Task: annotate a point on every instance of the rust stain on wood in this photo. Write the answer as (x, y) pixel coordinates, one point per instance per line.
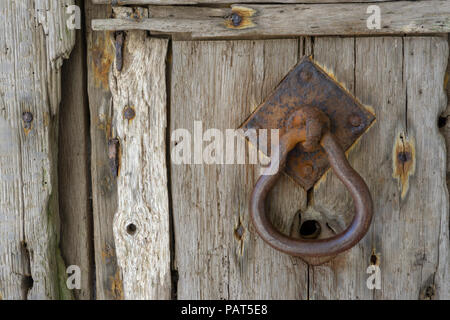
(446, 78)
(116, 286)
(404, 161)
(114, 156)
(239, 234)
(102, 58)
(104, 123)
(240, 18)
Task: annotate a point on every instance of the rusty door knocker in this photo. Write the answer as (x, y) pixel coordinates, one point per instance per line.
(318, 120)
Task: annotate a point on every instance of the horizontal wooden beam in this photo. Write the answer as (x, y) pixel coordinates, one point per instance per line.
(186, 2)
(400, 17)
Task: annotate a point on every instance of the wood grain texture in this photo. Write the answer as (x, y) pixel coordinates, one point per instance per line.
(444, 121)
(35, 40)
(74, 171)
(425, 62)
(218, 254)
(166, 2)
(141, 224)
(399, 17)
(401, 79)
(100, 57)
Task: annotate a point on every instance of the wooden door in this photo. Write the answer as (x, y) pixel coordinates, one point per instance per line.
(163, 230)
(219, 255)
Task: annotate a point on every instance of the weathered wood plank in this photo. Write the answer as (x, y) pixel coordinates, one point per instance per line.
(100, 57)
(444, 121)
(409, 236)
(166, 2)
(376, 81)
(400, 17)
(141, 224)
(218, 254)
(427, 251)
(73, 169)
(34, 41)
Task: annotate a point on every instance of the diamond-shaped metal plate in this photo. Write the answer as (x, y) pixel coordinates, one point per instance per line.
(309, 85)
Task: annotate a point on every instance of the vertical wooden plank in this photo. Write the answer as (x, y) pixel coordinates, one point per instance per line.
(141, 224)
(336, 279)
(73, 169)
(100, 57)
(444, 121)
(218, 254)
(408, 239)
(34, 41)
(425, 248)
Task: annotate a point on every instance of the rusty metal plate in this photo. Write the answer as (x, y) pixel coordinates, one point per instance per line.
(307, 84)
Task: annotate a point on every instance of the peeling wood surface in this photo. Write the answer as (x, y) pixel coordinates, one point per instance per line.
(141, 223)
(243, 20)
(34, 43)
(100, 58)
(218, 254)
(401, 80)
(74, 171)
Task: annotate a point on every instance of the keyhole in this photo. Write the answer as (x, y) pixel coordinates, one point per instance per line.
(310, 229)
(131, 229)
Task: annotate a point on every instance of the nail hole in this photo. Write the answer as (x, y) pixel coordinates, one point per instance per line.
(236, 19)
(239, 232)
(429, 293)
(374, 259)
(442, 121)
(27, 282)
(131, 229)
(129, 113)
(404, 156)
(27, 117)
(310, 229)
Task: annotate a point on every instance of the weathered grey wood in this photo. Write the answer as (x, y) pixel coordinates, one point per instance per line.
(400, 17)
(345, 276)
(162, 2)
(425, 61)
(444, 122)
(218, 254)
(401, 79)
(141, 224)
(73, 169)
(100, 57)
(35, 40)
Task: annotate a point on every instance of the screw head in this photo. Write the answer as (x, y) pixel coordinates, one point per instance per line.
(306, 75)
(355, 120)
(129, 113)
(307, 170)
(236, 19)
(27, 117)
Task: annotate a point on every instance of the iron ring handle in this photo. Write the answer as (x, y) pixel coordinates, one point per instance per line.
(309, 247)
